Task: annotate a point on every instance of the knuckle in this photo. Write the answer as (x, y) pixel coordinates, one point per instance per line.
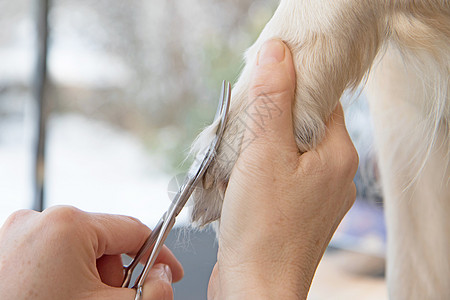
(264, 89)
(18, 217)
(135, 220)
(312, 164)
(139, 226)
(349, 198)
(271, 90)
(342, 165)
(270, 100)
(345, 160)
(351, 161)
(59, 216)
(271, 82)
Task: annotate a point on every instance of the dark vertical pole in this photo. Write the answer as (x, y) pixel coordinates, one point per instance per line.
(39, 87)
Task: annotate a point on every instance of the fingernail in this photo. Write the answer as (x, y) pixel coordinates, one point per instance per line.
(167, 273)
(271, 52)
(161, 272)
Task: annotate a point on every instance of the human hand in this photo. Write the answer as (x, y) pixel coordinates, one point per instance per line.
(64, 253)
(281, 207)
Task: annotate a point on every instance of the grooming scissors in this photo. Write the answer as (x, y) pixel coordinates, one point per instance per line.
(194, 176)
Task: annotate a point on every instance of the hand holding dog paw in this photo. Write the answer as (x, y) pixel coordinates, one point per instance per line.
(281, 207)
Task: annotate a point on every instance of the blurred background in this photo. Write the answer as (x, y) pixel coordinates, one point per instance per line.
(100, 100)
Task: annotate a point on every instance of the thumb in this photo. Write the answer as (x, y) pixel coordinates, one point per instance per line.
(271, 96)
(158, 285)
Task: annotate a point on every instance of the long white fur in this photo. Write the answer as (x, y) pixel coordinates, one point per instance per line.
(335, 44)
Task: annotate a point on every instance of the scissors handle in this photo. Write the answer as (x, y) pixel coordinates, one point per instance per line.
(149, 242)
(156, 239)
(162, 236)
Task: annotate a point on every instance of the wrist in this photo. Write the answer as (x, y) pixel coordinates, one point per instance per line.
(262, 281)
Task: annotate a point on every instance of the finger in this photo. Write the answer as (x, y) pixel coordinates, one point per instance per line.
(164, 257)
(158, 286)
(271, 96)
(110, 269)
(351, 197)
(116, 234)
(336, 132)
(337, 146)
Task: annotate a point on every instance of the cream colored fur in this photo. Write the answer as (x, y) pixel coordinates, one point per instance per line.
(334, 45)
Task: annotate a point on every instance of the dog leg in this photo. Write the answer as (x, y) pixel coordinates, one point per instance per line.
(333, 45)
(415, 173)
